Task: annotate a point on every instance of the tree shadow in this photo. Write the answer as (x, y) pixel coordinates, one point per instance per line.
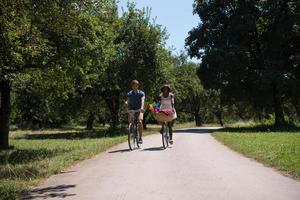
(197, 130)
(262, 128)
(58, 191)
(64, 135)
(75, 135)
(21, 156)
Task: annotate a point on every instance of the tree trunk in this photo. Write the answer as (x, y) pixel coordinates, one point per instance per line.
(90, 121)
(113, 103)
(101, 120)
(196, 108)
(240, 115)
(197, 119)
(4, 113)
(296, 105)
(219, 116)
(278, 110)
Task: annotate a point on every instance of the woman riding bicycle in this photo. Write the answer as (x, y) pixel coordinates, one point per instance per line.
(166, 100)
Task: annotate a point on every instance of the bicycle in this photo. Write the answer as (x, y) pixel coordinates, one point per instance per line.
(133, 134)
(165, 136)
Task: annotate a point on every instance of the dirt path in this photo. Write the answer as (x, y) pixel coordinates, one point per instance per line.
(197, 167)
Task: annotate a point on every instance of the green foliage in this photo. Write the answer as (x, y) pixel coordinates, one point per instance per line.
(57, 46)
(140, 55)
(189, 91)
(73, 62)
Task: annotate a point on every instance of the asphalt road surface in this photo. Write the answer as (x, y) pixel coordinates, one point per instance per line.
(196, 167)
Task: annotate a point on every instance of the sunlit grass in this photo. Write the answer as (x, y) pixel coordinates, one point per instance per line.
(274, 147)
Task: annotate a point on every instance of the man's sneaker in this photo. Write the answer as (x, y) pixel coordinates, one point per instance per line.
(171, 141)
(140, 141)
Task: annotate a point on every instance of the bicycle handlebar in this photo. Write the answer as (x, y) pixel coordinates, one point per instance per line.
(134, 111)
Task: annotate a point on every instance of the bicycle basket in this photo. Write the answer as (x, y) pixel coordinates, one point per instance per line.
(161, 117)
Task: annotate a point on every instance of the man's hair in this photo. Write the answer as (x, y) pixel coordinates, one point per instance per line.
(134, 82)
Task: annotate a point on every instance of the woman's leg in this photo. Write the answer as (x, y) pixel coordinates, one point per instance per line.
(170, 130)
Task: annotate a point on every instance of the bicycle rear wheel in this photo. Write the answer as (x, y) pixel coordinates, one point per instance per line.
(131, 136)
(165, 136)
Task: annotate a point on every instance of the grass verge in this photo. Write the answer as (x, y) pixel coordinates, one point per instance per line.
(276, 147)
(36, 155)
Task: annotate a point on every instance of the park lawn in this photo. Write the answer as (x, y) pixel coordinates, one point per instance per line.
(280, 150)
(36, 155)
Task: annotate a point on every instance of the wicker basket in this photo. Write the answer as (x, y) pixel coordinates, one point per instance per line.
(162, 117)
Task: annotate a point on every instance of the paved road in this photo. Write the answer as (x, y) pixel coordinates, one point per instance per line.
(197, 167)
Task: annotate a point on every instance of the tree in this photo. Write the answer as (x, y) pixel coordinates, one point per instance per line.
(248, 49)
(62, 35)
(139, 45)
(190, 94)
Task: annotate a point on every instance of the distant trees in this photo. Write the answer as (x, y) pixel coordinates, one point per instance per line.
(138, 56)
(250, 51)
(68, 61)
(72, 61)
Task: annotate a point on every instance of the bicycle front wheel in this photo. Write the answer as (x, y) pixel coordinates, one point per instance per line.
(131, 136)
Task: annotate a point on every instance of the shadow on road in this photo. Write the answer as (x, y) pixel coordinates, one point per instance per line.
(67, 172)
(154, 149)
(120, 151)
(197, 130)
(49, 192)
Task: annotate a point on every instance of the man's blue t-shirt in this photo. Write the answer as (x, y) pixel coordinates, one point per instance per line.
(135, 99)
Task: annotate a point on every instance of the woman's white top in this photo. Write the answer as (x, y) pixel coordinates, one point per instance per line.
(166, 102)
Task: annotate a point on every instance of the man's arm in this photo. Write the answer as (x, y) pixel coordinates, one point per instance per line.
(127, 103)
(142, 103)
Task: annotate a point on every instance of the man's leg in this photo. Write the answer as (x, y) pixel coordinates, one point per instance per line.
(129, 118)
(140, 126)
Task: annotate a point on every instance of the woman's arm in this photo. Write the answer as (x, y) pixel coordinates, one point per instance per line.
(159, 101)
(172, 101)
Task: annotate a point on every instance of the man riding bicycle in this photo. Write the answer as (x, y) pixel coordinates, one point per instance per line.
(135, 101)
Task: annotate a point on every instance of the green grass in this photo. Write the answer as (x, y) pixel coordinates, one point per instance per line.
(36, 155)
(277, 147)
